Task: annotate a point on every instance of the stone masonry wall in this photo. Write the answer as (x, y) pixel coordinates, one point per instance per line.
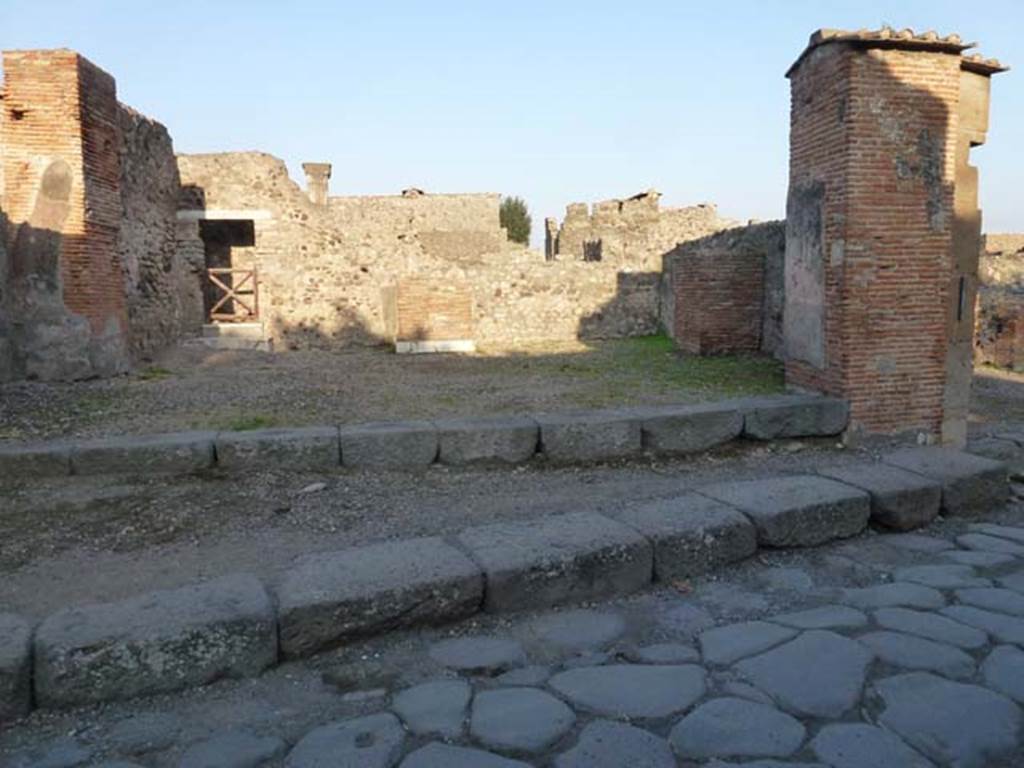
(329, 274)
(163, 282)
(999, 319)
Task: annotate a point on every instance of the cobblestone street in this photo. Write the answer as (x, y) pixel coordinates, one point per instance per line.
(884, 650)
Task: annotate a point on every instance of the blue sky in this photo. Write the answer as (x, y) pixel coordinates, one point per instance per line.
(553, 101)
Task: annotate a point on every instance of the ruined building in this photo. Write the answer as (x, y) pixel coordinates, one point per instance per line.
(111, 247)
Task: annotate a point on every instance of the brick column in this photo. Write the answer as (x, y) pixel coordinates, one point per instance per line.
(879, 282)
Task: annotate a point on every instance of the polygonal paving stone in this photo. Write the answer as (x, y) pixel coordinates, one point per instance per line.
(855, 745)
(437, 755)
(479, 655)
(62, 752)
(1003, 671)
(233, 749)
(519, 719)
(686, 618)
(364, 742)
(912, 652)
(1000, 600)
(825, 617)
(949, 722)
(664, 653)
(145, 732)
(895, 594)
(930, 626)
(435, 708)
(941, 576)
(978, 559)
(765, 764)
(607, 744)
(1010, 532)
(916, 542)
(819, 673)
(724, 645)
(736, 728)
(1006, 629)
(1014, 581)
(632, 690)
(786, 579)
(579, 630)
(525, 676)
(984, 543)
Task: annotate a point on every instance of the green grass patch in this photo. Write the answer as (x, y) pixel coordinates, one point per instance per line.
(154, 373)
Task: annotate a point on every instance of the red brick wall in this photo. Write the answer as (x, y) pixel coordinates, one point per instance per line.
(877, 128)
(430, 310)
(59, 106)
(719, 298)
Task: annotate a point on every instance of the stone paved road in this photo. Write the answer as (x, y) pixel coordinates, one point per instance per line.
(885, 650)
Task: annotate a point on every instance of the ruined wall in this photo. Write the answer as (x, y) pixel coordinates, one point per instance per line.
(61, 168)
(163, 283)
(725, 292)
(999, 320)
(329, 273)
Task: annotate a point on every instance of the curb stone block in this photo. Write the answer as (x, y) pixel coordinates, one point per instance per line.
(899, 499)
(797, 511)
(304, 448)
(691, 534)
(769, 418)
(589, 435)
(970, 484)
(15, 667)
(19, 462)
(328, 598)
(688, 428)
(155, 643)
(559, 559)
(511, 440)
(175, 452)
(389, 444)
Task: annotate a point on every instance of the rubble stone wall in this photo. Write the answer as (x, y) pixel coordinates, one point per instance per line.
(999, 318)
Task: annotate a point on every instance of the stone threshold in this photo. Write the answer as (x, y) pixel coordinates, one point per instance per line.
(237, 626)
(564, 437)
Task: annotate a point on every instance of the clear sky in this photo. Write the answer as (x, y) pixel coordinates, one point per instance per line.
(553, 101)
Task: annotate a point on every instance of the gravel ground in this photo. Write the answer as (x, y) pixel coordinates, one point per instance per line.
(997, 395)
(196, 388)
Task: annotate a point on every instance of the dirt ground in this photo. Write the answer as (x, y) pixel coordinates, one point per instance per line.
(198, 388)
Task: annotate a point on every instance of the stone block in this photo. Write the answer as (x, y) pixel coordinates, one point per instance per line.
(797, 511)
(500, 440)
(26, 462)
(303, 449)
(970, 484)
(389, 445)
(589, 435)
(15, 667)
(770, 418)
(155, 643)
(899, 499)
(559, 559)
(328, 598)
(688, 428)
(176, 452)
(691, 534)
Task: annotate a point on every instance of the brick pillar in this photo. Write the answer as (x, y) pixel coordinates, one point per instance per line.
(880, 218)
(317, 177)
(61, 175)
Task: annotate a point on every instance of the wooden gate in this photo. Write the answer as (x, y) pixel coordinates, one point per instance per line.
(235, 294)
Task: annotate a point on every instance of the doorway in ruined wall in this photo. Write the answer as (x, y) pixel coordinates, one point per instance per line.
(231, 287)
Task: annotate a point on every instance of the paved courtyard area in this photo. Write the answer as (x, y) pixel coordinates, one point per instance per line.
(883, 650)
(198, 388)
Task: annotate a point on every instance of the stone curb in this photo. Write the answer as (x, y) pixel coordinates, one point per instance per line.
(173, 639)
(570, 437)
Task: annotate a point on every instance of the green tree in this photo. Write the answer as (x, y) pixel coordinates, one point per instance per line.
(515, 218)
